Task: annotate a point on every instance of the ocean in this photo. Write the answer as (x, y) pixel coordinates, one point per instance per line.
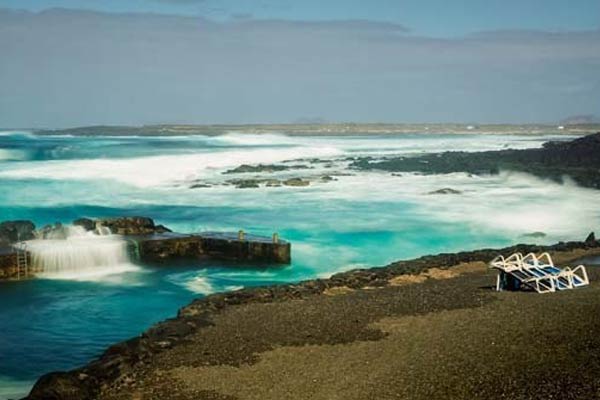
(344, 219)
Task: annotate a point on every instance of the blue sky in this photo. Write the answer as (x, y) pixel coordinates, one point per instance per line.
(266, 61)
(440, 18)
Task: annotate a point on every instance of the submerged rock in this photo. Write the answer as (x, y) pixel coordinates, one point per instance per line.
(272, 183)
(15, 231)
(256, 183)
(536, 235)
(246, 183)
(296, 182)
(199, 186)
(268, 168)
(445, 191)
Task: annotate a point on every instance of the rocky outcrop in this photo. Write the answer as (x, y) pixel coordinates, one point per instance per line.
(131, 225)
(264, 168)
(62, 386)
(445, 191)
(591, 238)
(293, 182)
(8, 264)
(579, 159)
(298, 182)
(15, 231)
(535, 235)
(85, 223)
(117, 362)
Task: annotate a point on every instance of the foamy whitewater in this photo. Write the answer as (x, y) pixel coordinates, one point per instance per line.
(89, 295)
(80, 255)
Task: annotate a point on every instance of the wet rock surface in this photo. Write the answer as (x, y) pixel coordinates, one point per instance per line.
(131, 225)
(265, 318)
(445, 191)
(253, 183)
(579, 159)
(85, 223)
(264, 168)
(296, 182)
(15, 231)
(535, 235)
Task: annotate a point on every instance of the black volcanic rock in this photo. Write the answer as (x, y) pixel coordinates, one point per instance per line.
(296, 182)
(535, 235)
(14, 231)
(268, 168)
(85, 223)
(131, 225)
(579, 159)
(445, 191)
(62, 386)
(591, 238)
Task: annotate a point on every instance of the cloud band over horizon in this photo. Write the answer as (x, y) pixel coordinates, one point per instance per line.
(67, 68)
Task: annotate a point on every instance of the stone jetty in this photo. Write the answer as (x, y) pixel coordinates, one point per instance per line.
(147, 243)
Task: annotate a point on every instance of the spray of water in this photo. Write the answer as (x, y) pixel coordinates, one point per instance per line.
(80, 256)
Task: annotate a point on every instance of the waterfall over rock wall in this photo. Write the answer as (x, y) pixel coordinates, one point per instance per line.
(79, 255)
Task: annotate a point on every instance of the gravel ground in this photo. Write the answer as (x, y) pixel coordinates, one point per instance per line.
(441, 337)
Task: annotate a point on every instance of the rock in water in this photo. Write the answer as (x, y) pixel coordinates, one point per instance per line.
(446, 191)
(14, 231)
(162, 229)
(591, 238)
(128, 225)
(85, 223)
(60, 385)
(536, 235)
(56, 232)
(296, 182)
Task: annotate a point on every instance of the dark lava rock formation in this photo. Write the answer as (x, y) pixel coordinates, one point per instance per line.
(15, 231)
(579, 159)
(446, 191)
(131, 225)
(266, 168)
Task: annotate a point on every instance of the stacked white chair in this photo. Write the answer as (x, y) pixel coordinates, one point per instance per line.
(538, 273)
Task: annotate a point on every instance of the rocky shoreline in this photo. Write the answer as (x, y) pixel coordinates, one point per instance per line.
(115, 369)
(578, 159)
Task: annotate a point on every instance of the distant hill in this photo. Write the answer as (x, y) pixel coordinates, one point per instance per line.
(347, 128)
(585, 119)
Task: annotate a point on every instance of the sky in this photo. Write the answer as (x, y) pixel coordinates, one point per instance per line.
(86, 62)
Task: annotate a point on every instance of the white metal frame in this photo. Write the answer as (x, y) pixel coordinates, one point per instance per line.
(539, 272)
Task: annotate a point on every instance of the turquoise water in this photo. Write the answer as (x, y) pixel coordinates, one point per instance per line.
(359, 220)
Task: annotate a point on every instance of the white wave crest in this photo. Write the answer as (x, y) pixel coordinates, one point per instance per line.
(159, 170)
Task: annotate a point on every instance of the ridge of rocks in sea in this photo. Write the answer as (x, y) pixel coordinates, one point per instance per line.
(264, 168)
(253, 183)
(445, 191)
(579, 159)
(117, 363)
(535, 235)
